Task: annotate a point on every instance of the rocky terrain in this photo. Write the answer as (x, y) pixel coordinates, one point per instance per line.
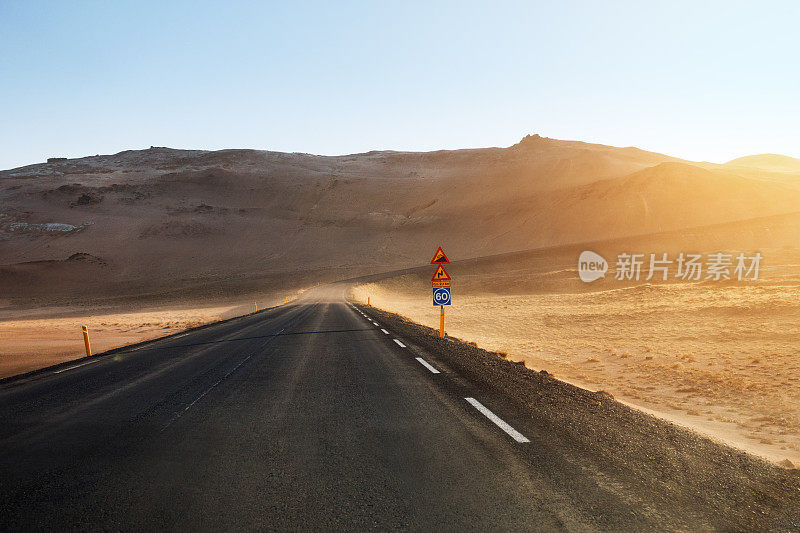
(164, 224)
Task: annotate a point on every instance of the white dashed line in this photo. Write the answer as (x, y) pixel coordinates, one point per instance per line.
(516, 435)
(427, 365)
(400, 344)
(220, 380)
(383, 330)
(73, 367)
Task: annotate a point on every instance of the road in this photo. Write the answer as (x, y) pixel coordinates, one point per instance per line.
(314, 416)
(303, 416)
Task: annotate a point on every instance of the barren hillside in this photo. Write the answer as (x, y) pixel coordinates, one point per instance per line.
(165, 224)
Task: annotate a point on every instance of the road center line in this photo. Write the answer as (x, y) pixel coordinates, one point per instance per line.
(427, 365)
(400, 344)
(383, 330)
(73, 367)
(516, 435)
(220, 380)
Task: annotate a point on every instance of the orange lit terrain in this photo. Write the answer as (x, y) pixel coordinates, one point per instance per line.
(157, 230)
(722, 357)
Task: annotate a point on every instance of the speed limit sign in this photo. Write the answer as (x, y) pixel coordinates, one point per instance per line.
(441, 296)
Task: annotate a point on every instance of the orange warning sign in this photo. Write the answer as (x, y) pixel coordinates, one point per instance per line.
(439, 257)
(440, 274)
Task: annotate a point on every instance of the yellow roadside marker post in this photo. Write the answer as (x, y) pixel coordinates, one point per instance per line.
(255, 307)
(440, 282)
(86, 340)
(367, 301)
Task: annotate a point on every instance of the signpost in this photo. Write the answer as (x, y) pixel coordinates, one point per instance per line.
(440, 284)
(440, 274)
(439, 257)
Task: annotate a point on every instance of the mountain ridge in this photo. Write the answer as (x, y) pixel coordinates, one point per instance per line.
(163, 215)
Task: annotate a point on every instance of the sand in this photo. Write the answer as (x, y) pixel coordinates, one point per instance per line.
(35, 343)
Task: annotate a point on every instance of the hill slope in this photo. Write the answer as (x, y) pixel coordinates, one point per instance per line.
(773, 162)
(185, 223)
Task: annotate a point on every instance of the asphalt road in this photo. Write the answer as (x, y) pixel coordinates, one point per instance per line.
(304, 416)
(308, 416)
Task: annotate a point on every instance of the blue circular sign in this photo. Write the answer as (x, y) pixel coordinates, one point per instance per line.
(441, 296)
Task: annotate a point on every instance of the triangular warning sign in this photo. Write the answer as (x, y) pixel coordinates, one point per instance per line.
(440, 275)
(439, 257)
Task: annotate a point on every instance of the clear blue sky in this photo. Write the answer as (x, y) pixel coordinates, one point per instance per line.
(700, 80)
